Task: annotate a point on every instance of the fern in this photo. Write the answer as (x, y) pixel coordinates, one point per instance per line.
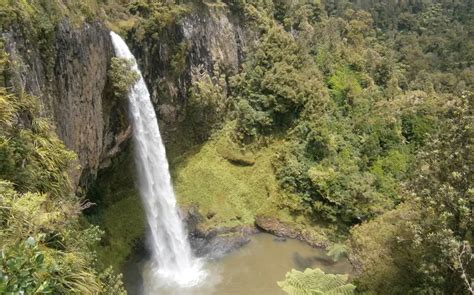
(336, 251)
(315, 282)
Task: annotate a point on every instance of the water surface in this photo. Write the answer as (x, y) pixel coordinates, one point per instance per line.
(256, 267)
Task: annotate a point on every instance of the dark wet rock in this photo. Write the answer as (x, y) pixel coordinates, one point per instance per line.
(303, 262)
(71, 81)
(218, 246)
(192, 217)
(215, 242)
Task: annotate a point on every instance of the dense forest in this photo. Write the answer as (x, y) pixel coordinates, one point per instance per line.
(345, 124)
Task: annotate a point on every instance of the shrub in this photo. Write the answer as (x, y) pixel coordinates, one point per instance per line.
(122, 76)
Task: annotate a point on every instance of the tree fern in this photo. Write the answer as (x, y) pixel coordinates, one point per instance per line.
(315, 282)
(336, 251)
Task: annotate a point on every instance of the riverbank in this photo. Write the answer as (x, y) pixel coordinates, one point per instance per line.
(216, 241)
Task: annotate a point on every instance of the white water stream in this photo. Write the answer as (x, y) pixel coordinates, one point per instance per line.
(172, 261)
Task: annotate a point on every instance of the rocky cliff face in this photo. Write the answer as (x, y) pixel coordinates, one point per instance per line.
(71, 81)
(70, 78)
(209, 39)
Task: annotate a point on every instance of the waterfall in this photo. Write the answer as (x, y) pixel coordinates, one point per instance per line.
(171, 258)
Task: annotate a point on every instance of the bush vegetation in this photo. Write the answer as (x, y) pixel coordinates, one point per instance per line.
(424, 245)
(348, 119)
(121, 76)
(364, 116)
(45, 246)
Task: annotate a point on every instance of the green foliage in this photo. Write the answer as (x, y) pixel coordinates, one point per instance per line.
(58, 254)
(208, 102)
(118, 212)
(121, 76)
(321, 127)
(298, 14)
(51, 11)
(345, 169)
(336, 251)
(125, 226)
(344, 86)
(233, 198)
(178, 61)
(333, 91)
(425, 245)
(155, 16)
(243, 186)
(234, 154)
(23, 269)
(37, 21)
(277, 81)
(7, 110)
(44, 246)
(376, 247)
(444, 196)
(414, 29)
(346, 98)
(315, 281)
(416, 127)
(33, 158)
(3, 70)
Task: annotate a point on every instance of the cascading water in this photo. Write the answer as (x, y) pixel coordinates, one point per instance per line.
(172, 261)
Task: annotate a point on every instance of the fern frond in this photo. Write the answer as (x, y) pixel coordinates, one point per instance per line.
(336, 251)
(315, 282)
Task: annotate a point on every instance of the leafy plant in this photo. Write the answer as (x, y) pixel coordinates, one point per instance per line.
(315, 282)
(23, 269)
(122, 76)
(337, 251)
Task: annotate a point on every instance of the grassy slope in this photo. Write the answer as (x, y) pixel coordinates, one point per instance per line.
(229, 194)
